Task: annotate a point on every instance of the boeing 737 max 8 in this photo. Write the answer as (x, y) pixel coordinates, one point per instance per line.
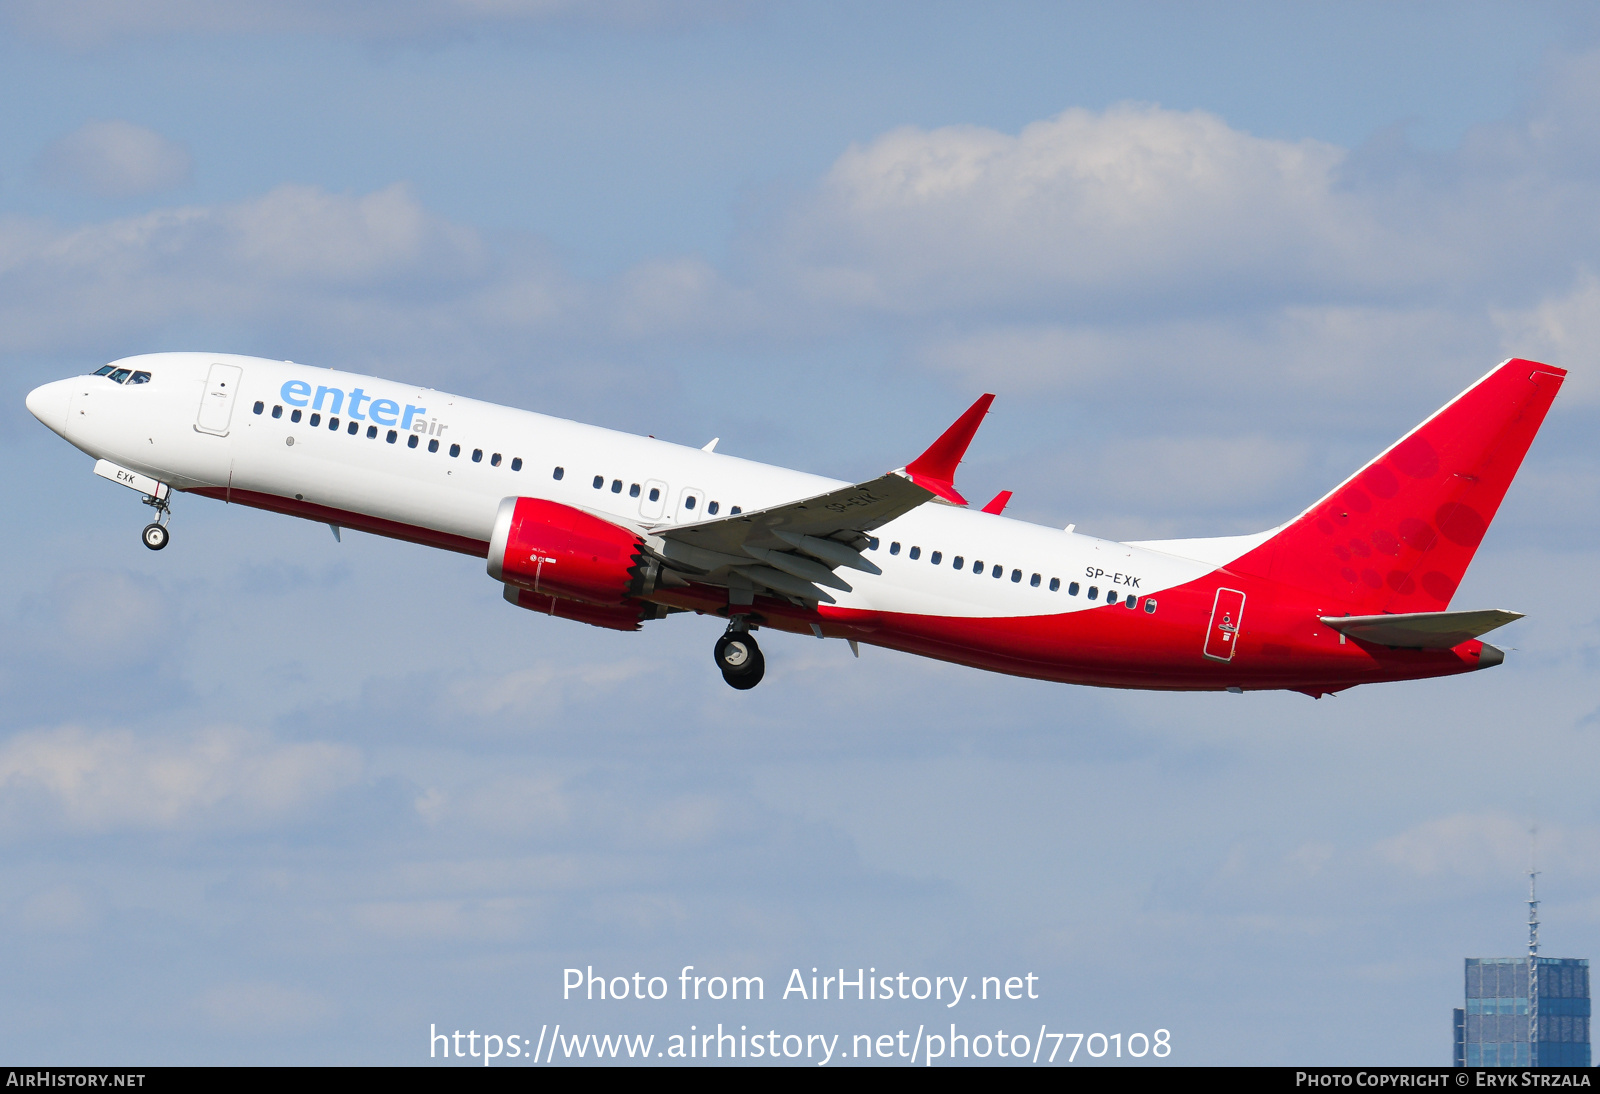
(616, 530)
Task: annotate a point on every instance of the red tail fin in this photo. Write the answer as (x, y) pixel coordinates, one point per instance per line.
(1398, 534)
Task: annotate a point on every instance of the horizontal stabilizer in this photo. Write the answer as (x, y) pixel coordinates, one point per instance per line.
(1421, 630)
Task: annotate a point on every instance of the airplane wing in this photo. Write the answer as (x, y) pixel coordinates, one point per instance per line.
(794, 548)
(1421, 630)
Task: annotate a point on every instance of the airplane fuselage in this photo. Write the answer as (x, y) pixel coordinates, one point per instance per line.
(973, 588)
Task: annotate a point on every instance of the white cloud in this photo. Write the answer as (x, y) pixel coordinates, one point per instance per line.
(1196, 472)
(1490, 845)
(1133, 202)
(346, 264)
(264, 1007)
(497, 918)
(1340, 354)
(115, 159)
(119, 615)
(1561, 330)
(541, 691)
(99, 781)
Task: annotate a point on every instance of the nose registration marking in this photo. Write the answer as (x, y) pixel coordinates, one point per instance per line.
(132, 479)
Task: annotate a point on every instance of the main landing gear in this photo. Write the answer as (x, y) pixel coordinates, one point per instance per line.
(155, 534)
(739, 658)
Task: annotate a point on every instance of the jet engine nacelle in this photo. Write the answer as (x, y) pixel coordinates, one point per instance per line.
(553, 549)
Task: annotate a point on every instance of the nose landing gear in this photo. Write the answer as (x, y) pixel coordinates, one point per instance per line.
(740, 659)
(155, 534)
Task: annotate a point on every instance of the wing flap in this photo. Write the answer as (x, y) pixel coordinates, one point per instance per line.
(1421, 630)
(858, 508)
(796, 546)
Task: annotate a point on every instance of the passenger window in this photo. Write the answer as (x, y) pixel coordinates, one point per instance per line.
(1016, 576)
(1072, 590)
(894, 548)
(998, 570)
(633, 491)
(977, 566)
(735, 511)
(433, 445)
(411, 441)
(494, 460)
(140, 378)
(1131, 603)
(1111, 596)
(916, 553)
(391, 436)
(516, 463)
(104, 370)
(277, 411)
(655, 494)
(936, 558)
(316, 419)
(372, 434)
(958, 563)
(1034, 580)
(1149, 605)
(355, 427)
(1055, 585)
(120, 375)
(294, 415)
(872, 543)
(333, 425)
(1093, 593)
(455, 450)
(260, 407)
(560, 472)
(599, 481)
(711, 509)
(688, 502)
(477, 453)
(616, 486)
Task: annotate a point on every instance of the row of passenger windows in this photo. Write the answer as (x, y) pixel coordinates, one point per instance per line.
(690, 501)
(391, 436)
(413, 439)
(959, 562)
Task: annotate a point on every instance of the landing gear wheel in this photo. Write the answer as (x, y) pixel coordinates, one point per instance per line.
(740, 660)
(155, 536)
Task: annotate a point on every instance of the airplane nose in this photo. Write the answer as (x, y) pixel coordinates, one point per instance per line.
(49, 403)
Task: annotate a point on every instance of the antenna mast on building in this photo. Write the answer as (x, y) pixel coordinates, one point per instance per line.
(1533, 950)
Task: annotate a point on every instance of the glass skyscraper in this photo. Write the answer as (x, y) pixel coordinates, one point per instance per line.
(1497, 1029)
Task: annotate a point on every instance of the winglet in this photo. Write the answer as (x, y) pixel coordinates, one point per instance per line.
(999, 503)
(935, 469)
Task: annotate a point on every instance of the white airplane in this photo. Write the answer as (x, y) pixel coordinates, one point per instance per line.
(614, 530)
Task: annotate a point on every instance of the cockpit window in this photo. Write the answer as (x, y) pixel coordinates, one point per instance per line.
(104, 370)
(140, 378)
(120, 375)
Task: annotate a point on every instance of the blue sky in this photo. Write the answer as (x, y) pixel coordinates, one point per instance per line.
(265, 797)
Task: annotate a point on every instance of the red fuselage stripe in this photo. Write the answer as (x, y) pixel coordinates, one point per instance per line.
(1281, 641)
